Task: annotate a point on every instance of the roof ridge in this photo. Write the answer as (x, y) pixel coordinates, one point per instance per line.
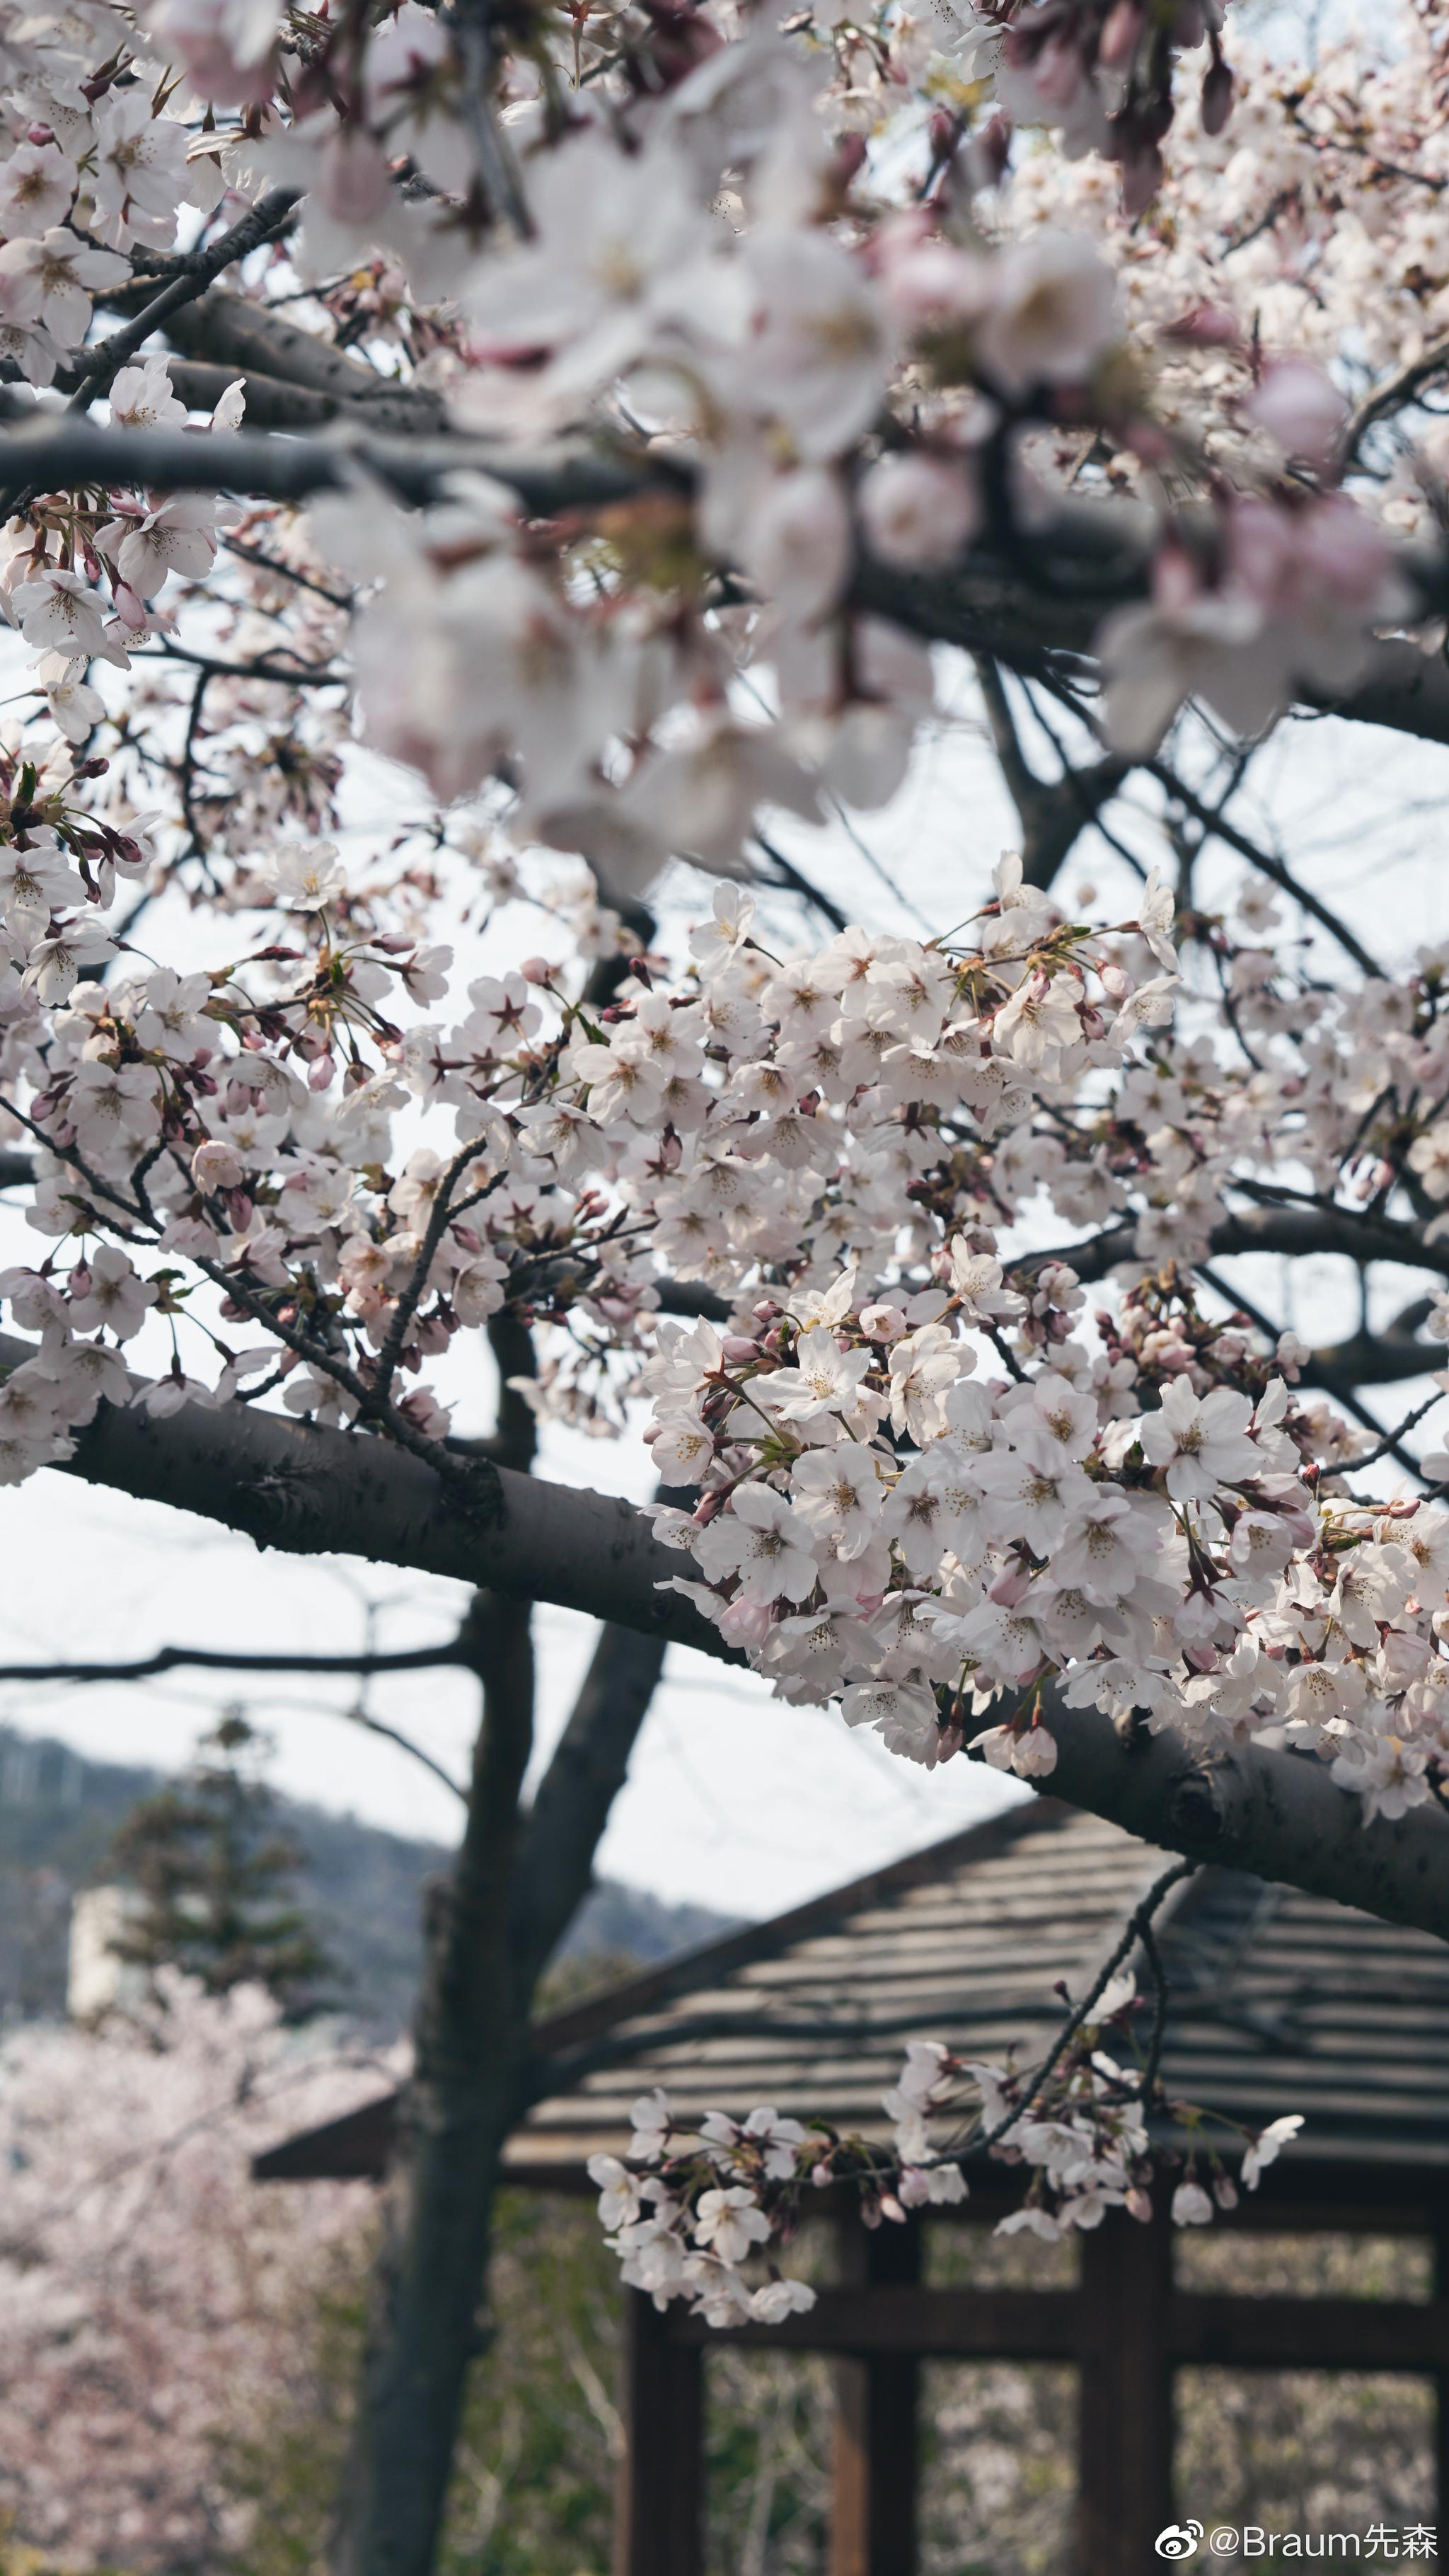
(737, 1949)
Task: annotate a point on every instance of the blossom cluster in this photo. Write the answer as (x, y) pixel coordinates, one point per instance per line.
(152, 2295)
(699, 2212)
(931, 1477)
(930, 1481)
(830, 372)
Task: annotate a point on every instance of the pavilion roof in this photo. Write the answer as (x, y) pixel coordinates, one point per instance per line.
(1279, 2001)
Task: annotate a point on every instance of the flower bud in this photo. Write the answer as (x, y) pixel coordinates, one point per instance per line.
(1121, 35)
(1217, 97)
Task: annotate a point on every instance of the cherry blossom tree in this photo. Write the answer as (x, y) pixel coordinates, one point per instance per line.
(620, 420)
(151, 2294)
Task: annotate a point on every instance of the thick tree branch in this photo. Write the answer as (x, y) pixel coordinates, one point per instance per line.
(272, 403)
(455, 2113)
(67, 451)
(1290, 1230)
(979, 604)
(308, 1490)
(588, 1769)
(233, 332)
(1278, 1815)
(312, 1492)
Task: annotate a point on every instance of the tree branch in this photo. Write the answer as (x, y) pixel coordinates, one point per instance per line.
(244, 338)
(456, 2111)
(1395, 393)
(1278, 1815)
(228, 1659)
(1274, 1228)
(66, 451)
(312, 1492)
(1053, 813)
(296, 1486)
(96, 369)
(1216, 826)
(978, 604)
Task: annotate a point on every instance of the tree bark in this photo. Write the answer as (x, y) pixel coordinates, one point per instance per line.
(457, 2110)
(577, 1792)
(1278, 1815)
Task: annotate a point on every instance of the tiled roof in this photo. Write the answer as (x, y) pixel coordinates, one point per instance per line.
(1280, 2000)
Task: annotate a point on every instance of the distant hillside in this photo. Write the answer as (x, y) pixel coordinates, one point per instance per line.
(361, 1887)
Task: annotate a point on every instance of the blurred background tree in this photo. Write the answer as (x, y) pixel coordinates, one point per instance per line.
(214, 1876)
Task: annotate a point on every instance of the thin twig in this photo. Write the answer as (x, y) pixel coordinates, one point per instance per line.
(271, 215)
(1388, 1446)
(1138, 1922)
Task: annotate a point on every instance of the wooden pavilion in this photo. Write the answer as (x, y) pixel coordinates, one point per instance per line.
(1279, 2001)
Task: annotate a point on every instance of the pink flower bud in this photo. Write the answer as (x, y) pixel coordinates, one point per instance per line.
(1298, 407)
(535, 970)
(737, 1350)
(1207, 326)
(849, 157)
(322, 1072)
(130, 609)
(882, 1323)
(1121, 35)
(989, 152)
(746, 1623)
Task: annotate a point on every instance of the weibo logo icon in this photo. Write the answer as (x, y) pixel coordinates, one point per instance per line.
(1179, 2540)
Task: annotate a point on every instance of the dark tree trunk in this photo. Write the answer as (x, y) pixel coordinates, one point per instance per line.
(459, 2107)
(518, 1881)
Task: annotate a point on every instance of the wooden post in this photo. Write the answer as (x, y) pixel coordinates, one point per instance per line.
(1124, 2491)
(659, 2513)
(874, 2471)
(1441, 2385)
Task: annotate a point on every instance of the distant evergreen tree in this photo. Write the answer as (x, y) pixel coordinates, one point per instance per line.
(213, 1872)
